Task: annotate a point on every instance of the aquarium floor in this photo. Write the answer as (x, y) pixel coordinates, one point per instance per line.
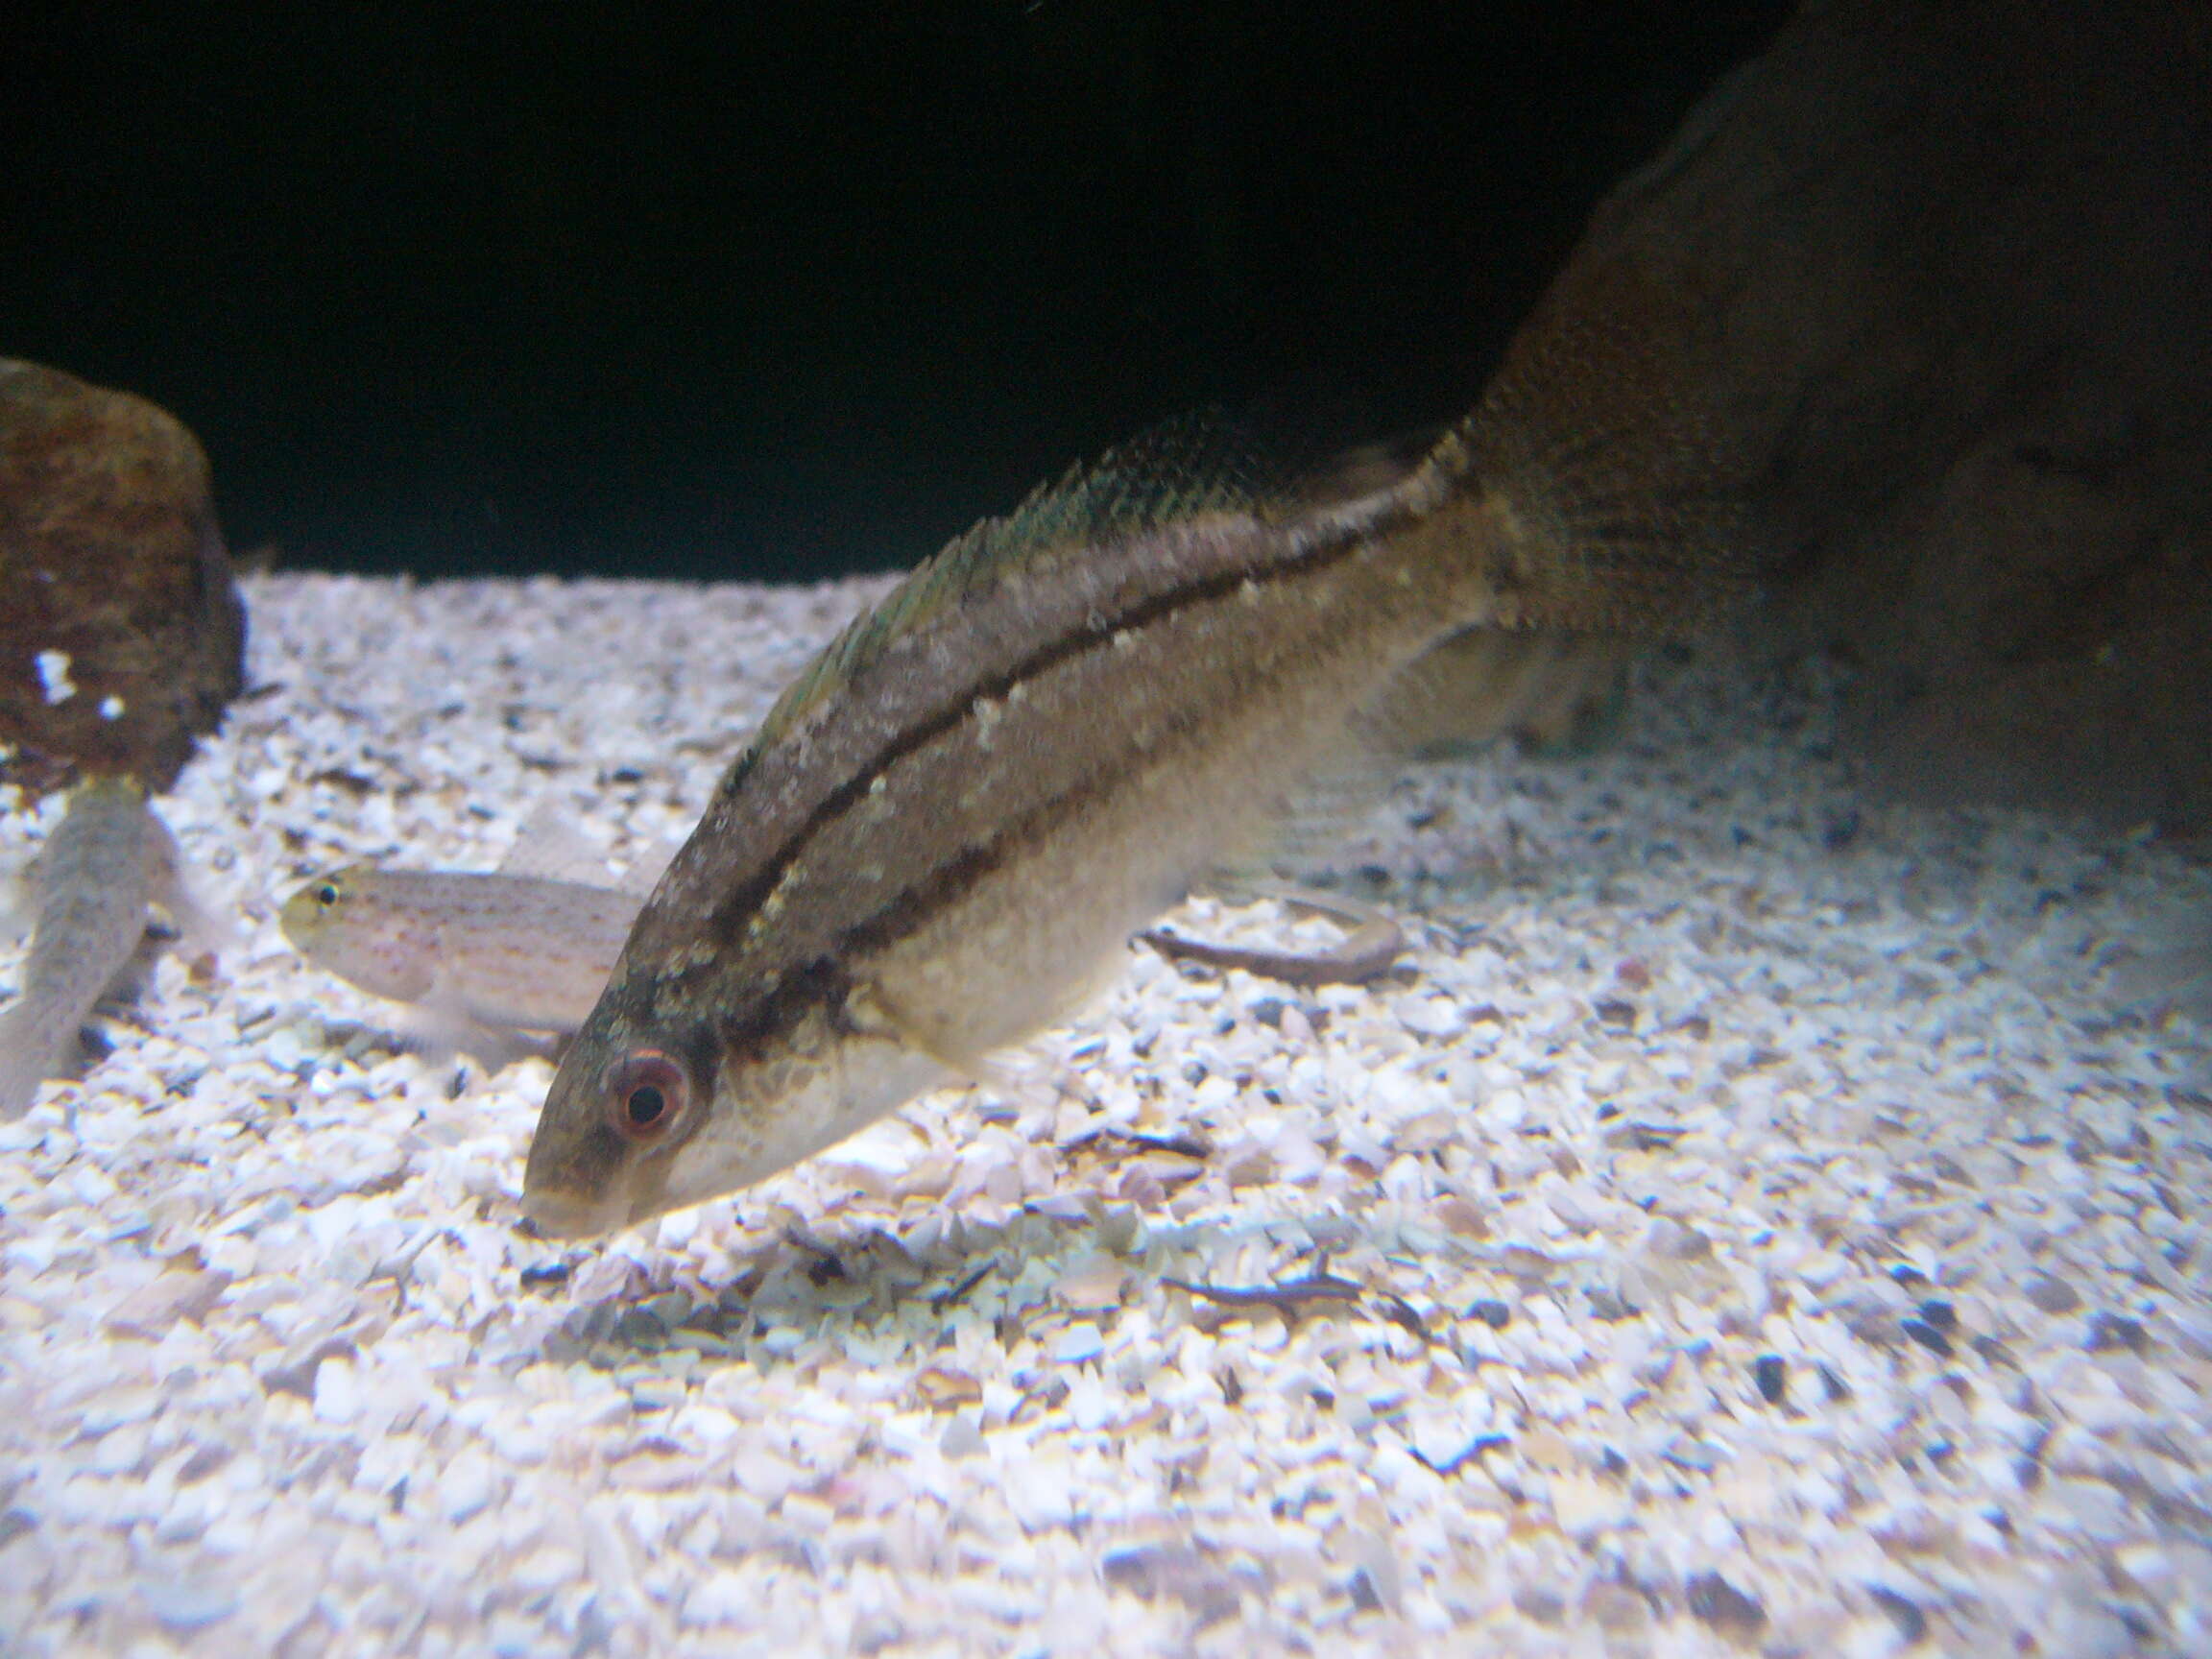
(1742, 1225)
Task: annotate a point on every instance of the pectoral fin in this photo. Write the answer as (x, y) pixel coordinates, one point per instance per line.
(1552, 691)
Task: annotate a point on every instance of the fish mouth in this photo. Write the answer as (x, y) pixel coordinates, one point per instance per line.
(569, 1215)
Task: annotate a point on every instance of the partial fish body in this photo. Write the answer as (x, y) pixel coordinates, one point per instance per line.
(2168, 975)
(107, 859)
(948, 828)
(477, 953)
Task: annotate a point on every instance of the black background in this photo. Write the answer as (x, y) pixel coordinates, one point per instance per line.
(780, 290)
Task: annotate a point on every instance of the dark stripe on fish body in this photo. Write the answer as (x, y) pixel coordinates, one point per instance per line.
(730, 917)
(826, 982)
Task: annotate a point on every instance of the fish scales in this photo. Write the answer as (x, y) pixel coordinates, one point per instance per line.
(950, 824)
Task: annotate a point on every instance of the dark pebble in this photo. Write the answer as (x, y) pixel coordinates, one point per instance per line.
(2108, 1332)
(1912, 1623)
(2139, 1625)
(1928, 1336)
(2052, 1295)
(1772, 1378)
(203, 1461)
(546, 1273)
(1995, 1351)
(638, 1329)
(1156, 1571)
(1691, 1454)
(1837, 1389)
(1609, 1304)
(1544, 1606)
(1721, 1605)
(1494, 1314)
(1363, 1594)
(1940, 1314)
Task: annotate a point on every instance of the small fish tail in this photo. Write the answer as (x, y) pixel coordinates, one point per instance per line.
(93, 880)
(29, 1054)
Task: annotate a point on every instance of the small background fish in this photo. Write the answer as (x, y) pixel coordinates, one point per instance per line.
(480, 956)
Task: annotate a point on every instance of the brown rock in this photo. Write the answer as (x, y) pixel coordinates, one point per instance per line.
(1945, 272)
(121, 635)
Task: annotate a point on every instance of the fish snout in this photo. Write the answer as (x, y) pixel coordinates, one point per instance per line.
(558, 1214)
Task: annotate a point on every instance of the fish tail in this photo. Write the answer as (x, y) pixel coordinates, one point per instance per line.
(29, 1054)
(93, 879)
(1596, 451)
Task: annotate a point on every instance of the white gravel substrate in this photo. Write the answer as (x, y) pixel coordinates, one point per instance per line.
(1693, 1063)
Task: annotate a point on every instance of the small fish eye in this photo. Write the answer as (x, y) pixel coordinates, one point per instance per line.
(326, 894)
(645, 1096)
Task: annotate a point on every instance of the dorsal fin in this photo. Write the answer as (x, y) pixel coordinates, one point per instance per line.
(1188, 465)
(548, 846)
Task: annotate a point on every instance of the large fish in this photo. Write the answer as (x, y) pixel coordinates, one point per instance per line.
(952, 822)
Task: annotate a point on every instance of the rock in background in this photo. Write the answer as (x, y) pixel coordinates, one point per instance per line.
(1948, 275)
(121, 635)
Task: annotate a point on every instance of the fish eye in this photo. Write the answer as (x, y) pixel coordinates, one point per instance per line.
(326, 894)
(646, 1095)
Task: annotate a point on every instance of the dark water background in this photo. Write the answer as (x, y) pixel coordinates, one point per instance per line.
(785, 290)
